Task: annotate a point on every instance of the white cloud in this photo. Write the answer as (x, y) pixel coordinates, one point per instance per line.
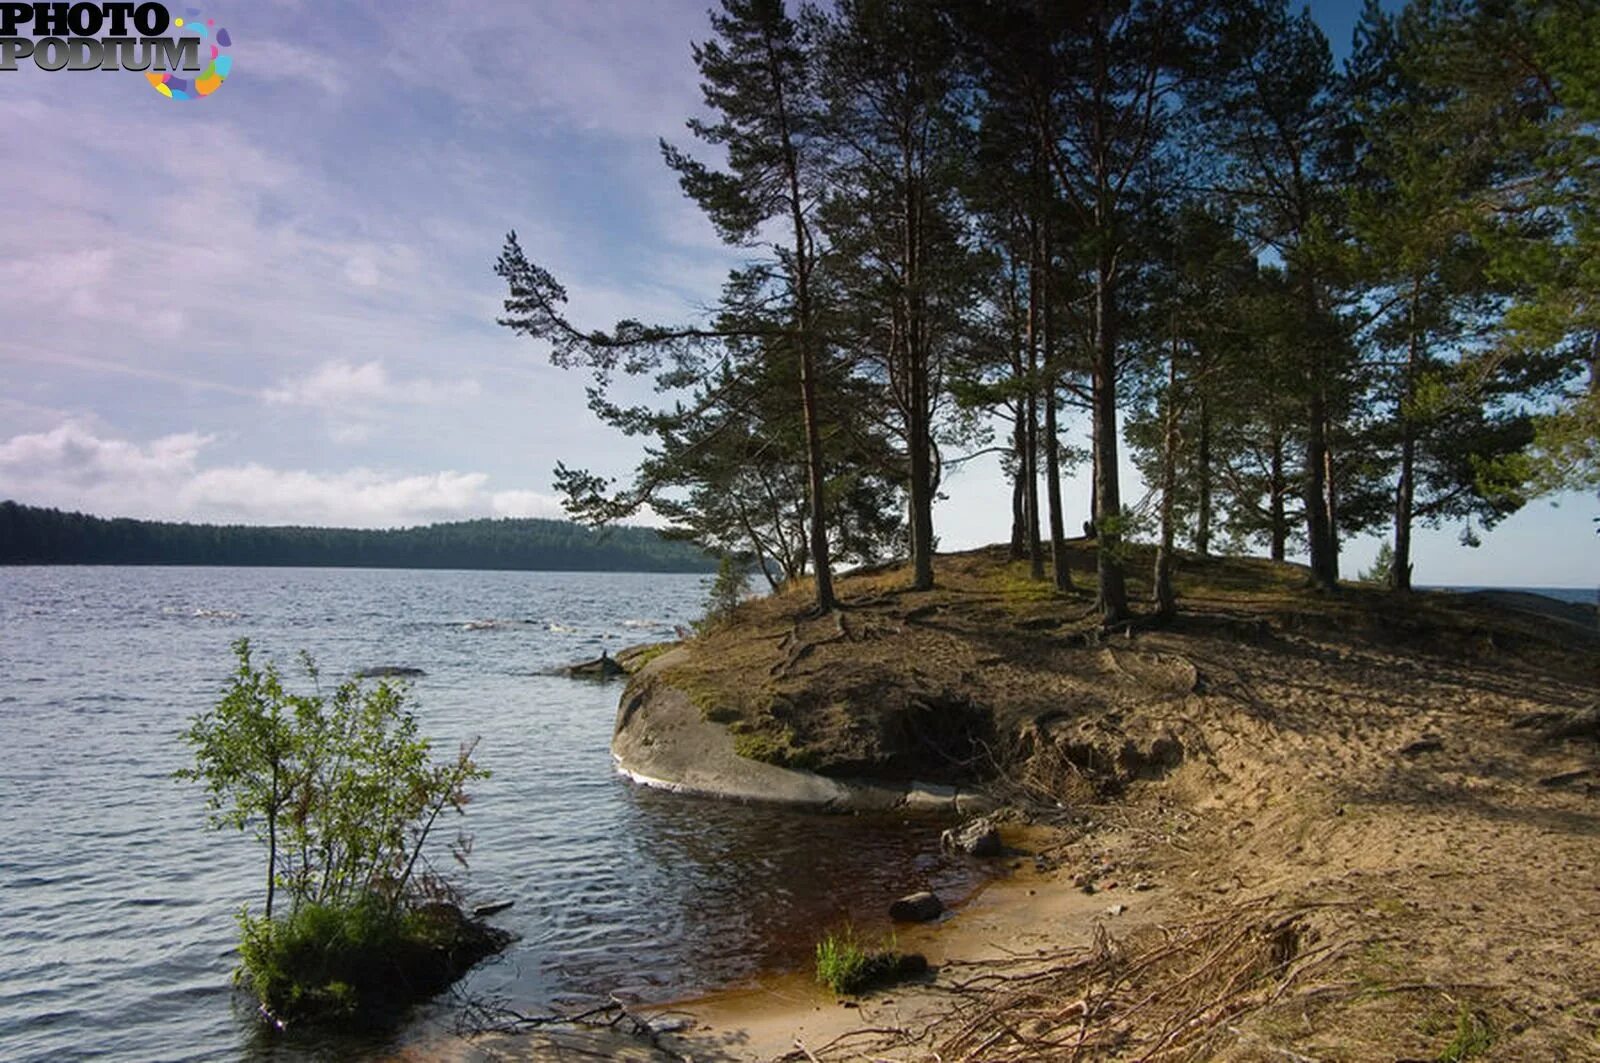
(355, 498)
(71, 456)
(341, 385)
(73, 467)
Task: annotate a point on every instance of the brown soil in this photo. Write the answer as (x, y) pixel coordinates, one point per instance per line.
(1342, 827)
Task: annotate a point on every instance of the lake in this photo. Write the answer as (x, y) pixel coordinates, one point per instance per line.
(117, 903)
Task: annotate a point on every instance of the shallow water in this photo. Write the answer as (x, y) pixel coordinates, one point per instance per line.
(116, 903)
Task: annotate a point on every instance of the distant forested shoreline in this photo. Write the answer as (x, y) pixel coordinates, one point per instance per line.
(31, 535)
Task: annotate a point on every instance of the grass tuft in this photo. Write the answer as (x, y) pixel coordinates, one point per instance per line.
(846, 965)
(1474, 1036)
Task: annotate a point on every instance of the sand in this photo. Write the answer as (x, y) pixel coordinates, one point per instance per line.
(1397, 803)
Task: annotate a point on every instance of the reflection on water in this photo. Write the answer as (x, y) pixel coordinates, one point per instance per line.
(117, 929)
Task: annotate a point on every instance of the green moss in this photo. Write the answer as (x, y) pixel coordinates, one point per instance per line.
(780, 748)
(1019, 591)
(718, 702)
(650, 653)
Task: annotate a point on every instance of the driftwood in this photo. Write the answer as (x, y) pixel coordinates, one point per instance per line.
(1162, 993)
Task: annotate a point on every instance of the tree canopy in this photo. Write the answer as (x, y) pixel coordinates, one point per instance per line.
(1316, 298)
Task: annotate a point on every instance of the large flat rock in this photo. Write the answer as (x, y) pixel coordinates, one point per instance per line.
(663, 739)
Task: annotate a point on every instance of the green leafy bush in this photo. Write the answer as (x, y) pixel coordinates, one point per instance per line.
(344, 795)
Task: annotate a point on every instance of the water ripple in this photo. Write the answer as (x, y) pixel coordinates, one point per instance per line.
(118, 935)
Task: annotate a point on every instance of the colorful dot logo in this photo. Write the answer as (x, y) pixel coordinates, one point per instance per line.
(216, 70)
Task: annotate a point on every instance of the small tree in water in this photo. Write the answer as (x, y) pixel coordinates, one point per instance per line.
(342, 792)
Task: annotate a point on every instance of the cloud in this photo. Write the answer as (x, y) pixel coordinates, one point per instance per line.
(565, 63)
(354, 498)
(342, 385)
(72, 467)
(71, 459)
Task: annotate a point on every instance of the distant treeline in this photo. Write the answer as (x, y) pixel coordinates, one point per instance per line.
(30, 535)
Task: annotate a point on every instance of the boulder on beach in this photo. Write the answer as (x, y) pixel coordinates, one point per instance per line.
(919, 907)
(976, 837)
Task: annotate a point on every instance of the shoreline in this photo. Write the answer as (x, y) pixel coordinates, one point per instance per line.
(1016, 913)
(1281, 825)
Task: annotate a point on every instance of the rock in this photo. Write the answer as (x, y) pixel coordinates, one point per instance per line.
(916, 908)
(911, 965)
(976, 837)
(930, 797)
(969, 803)
(602, 667)
(1116, 909)
(389, 671)
(633, 658)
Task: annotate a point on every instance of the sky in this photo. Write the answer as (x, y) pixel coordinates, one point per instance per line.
(277, 304)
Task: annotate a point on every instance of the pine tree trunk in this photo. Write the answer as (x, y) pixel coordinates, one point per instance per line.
(1277, 489)
(1405, 490)
(1107, 490)
(1093, 527)
(1035, 548)
(1060, 567)
(816, 475)
(1202, 472)
(920, 431)
(1161, 592)
(1324, 559)
(815, 482)
(1019, 503)
(921, 495)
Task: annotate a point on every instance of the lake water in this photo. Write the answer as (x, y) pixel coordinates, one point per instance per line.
(1579, 595)
(117, 904)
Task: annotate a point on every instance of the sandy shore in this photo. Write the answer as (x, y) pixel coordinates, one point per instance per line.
(1380, 844)
(1027, 912)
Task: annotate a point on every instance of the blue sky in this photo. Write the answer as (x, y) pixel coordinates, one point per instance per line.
(277, 304)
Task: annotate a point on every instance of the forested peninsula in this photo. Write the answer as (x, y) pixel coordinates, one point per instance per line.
(30, 535)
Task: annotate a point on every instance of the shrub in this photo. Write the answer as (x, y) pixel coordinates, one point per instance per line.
(342, 792)
(727, 590)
